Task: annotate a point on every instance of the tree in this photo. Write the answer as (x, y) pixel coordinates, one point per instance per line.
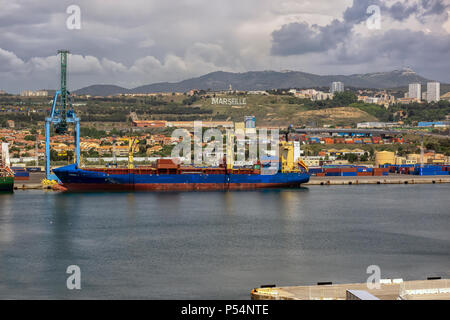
(344, 98)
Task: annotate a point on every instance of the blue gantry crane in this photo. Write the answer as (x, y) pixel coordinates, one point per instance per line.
(61, 115)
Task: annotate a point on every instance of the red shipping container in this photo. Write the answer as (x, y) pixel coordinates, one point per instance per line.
(21, 178)
(320, 174)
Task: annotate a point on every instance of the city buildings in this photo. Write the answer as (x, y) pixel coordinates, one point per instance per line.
(406, 100)
(415, 91)
(380, 98)
(337, 86)
(311, 94)
(249, 122)
(446, 96)
(363, 125)
(433, 91)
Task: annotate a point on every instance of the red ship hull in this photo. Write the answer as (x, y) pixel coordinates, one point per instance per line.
(174, 186)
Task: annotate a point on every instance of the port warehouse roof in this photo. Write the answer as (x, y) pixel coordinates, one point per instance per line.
(230, 124)
(432, 124)
(348, 131)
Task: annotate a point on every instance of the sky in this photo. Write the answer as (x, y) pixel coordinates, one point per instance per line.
(137, 42)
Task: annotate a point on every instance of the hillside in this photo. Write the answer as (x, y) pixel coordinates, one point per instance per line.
(266, 80)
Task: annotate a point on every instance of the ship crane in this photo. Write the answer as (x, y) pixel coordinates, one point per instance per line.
(62, 114)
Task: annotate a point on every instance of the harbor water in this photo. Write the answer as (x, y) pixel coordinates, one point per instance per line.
(219, 245)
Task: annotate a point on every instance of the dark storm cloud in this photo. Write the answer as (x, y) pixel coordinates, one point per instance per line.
(400, 12)
(130, 43)
(433, 7)
(136, 42)
(295, 38)
(300, 38)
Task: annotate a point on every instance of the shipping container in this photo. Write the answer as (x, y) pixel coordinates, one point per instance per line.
(320, 174)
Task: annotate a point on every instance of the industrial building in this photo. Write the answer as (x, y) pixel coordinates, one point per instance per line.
(415, 91)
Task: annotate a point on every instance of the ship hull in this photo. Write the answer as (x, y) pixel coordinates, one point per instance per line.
(6, 184)
(174, 186)
(82, 180)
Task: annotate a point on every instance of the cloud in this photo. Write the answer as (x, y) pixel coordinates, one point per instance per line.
(200, 58)
(434, 7)
(136, 42)
(300, 38)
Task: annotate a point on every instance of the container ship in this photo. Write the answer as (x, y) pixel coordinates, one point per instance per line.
(20, 173)
(168, 175)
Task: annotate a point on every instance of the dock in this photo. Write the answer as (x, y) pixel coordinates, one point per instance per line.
(390, 289)
(34, 183)
(389, 179)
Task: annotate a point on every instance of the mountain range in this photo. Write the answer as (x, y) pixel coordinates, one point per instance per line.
(265, 80)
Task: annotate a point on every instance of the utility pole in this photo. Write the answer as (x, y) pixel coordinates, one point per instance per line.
(37, 149)
(114, 152)
(62, 126)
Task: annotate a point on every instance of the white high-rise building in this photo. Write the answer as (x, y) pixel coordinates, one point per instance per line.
(337, 87)
(433, 91)
(415, 91)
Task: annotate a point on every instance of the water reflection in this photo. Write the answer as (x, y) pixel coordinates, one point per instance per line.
(291, 204)
(64, 210)
(217, 244)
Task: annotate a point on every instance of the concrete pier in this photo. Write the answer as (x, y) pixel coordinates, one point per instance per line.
(390, 179)
(390, 289)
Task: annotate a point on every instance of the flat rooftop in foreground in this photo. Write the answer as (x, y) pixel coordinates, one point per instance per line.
(394, 289)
